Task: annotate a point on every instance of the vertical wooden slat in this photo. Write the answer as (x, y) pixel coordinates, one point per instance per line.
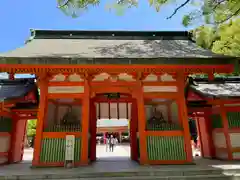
(166, 148)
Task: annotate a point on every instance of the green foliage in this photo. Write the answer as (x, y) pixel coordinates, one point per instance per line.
(31, 127)
(223, 39)
(74, 8)
(211, 11)
(228, 41)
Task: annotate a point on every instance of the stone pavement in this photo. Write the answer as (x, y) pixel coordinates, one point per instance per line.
(28, 154)
(119, 153)
(115, 162)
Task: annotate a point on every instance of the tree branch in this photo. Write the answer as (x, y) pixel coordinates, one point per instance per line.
(218, 3)
(178, 8)
(64, 4)
(229, 17)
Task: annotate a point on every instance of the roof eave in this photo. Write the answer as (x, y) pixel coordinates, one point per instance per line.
(122, 60)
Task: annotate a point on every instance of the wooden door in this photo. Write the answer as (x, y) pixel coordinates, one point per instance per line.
(18, 144)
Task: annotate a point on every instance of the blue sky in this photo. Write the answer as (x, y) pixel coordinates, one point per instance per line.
(18, 16)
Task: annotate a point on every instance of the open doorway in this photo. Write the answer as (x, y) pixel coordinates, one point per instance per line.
(110, 146)
(112, 139)
(29, 139)
(195, 137)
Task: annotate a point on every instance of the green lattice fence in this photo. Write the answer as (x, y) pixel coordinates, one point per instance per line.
(53, 150)
(166, 148)
(233, 119)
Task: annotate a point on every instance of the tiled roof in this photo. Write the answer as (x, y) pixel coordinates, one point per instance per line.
(11, 89)
(220, 88)
(93, 47)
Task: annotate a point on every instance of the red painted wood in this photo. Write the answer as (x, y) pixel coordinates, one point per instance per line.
(18, 138)
(133, 131)
(93, 131)
(103, 99)
(192, 96)
(205, 131)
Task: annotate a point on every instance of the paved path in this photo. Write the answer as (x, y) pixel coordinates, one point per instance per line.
(111, 162)
(119, 153)
(28, 154)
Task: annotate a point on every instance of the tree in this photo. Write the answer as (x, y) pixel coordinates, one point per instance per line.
(222, 39)
(228, 41)
(211, 11)
(31, 127)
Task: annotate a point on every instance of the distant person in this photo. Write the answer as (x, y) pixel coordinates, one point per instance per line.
(32, 142)
(107, 144)
(113, 141)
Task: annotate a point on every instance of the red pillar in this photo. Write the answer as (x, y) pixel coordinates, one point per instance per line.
(13, 139)
(133, 132)
(93, 131)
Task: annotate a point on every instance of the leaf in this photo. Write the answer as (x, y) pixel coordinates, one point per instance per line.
(151, 2)
(186, 20)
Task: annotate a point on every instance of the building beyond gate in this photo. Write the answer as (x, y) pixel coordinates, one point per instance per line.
(147, 69)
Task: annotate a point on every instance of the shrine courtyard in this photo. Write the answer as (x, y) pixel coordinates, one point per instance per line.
(117, 166)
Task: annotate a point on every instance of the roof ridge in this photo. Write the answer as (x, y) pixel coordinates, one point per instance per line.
(98, 34)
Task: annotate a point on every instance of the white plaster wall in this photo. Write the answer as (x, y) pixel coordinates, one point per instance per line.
(221, 154)
(4, 143)
(160, 89)
(219, 140)
(234, 137)
(66, 89)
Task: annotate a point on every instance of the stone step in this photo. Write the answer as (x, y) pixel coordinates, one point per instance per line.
(199, 177)
(138, 175)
